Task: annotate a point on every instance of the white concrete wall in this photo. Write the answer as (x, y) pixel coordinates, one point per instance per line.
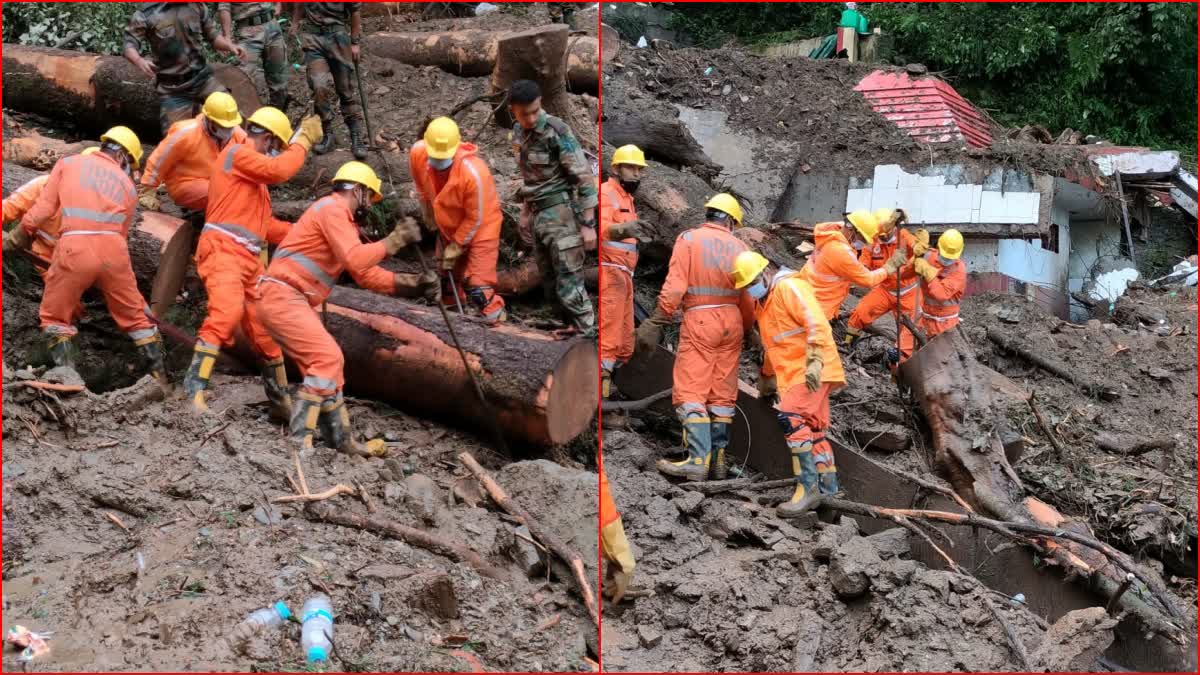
(941, 199)
(1090, 240)
(981, 255)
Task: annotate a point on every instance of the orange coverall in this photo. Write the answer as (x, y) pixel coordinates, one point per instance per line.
(881, 300)
(617, 262)
(715, 316)
(306, 266)
(833, 266)
(96, 202)
(939, 298)
(467, 211)
(184, 162)
(791, 322)
(232, 250)
(42, 247)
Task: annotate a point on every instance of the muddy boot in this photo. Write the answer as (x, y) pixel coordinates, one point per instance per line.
(326, 143)
(196, 381)
(806, 497)
(359, 143)
(335, 427)
(62, 350)
(720, 440)
(306, 410)
(151, 349)
(275, 384)
(698, 440)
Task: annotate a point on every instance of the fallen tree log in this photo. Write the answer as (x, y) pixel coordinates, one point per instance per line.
(536, 54)
(16, 175)
(401, 353)
(1051, 365)
(41, 152)
(527, 277)
(97, 92)
(564, 551)
(965, 409)
(654, 126)
(312, 180)
(473, 53)
(669, 200)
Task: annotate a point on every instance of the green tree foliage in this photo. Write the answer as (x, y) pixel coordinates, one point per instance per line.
(97, 27)
(1124, 71)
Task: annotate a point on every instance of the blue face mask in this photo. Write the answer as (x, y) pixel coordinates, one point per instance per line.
(946, 262)
(441, 164)
(757, 290)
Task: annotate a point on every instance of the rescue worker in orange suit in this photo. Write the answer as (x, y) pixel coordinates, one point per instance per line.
(615, 544)
(881, 300)
(46, 238)
(800, 365)
(322, 245)
(183, 162)
(715, 317)
(95, 197)
(619, 228)
(943, 283)
(834, 264)
(232, 251)
(458, 200)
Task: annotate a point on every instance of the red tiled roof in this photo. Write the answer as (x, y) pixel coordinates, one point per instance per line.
(927, 108)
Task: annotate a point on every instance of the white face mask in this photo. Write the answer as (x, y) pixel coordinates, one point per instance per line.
(758, 289)
(441, 164)
(859, 245)
(946, 262)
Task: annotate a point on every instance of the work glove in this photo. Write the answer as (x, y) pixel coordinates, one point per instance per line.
(650, 332)
(922, 245)
(406, 232)
(16, 239)
(620, 557)
(924, 269)
(852, 336)
(430, 286)
(450, 254)
(767, 386)
(148, 198)
(895, 262)
(627, 230)
(812, 371)
(309, 134)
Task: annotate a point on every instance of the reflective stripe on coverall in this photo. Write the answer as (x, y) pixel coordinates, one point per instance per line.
(183, 161)
(617, 262)
(833, 266)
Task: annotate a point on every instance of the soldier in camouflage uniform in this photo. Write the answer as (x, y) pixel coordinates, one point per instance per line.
(175, 33)
(330, 33)
(257, 31)
(560, 192)
(562, 12)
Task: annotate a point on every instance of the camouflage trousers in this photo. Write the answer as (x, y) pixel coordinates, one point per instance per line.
(186, 103)
(331, 75)
(560, 256)
(562, 12)
(266, 49)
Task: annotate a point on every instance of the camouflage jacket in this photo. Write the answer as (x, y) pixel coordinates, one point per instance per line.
(330, 13)
(553, 162)
(174, 33)
(240, 11)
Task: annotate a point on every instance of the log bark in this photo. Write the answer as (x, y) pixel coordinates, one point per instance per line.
(567, 553)
(536, 54)
(669, 200)
(97, 92)
(527, 277)
(472, 53)
(16, 175)
(40, 152)
(1049, 364)
(653, 126)
(401, 353)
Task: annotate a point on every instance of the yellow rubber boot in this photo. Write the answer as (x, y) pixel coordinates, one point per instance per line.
(204, 357)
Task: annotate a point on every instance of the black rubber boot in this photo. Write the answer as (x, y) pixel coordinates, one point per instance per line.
(335, 427)
(151, 349)
(326, 143)
(62, 350)
(196, 381)
(305, 411)
(359, 143)
(274, 377)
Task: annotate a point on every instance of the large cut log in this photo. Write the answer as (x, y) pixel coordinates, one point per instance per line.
(401, 353)
(16, 175)
(536, 54)
(41, 152)
(670, 201)
(97, 92)
(652, 125)
(527, 277)
(472, 53)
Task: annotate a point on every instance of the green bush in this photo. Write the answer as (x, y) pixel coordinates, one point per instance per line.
(97, 27)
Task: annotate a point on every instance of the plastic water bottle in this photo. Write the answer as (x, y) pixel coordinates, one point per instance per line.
(317, 628)
(258, 622)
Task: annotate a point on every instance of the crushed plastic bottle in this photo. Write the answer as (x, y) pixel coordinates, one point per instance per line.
(258, 622)
(317, 629)
(485, 8)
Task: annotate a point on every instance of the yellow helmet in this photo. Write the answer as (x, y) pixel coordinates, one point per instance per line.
(357, 172)
(442, 138)
(629, 154)
(950, 244)
(89, 151)
(726, 203)
(884, 218)
(274, 121)
(124, 137)
(865, 223)
(746, 268)
(222, 110)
